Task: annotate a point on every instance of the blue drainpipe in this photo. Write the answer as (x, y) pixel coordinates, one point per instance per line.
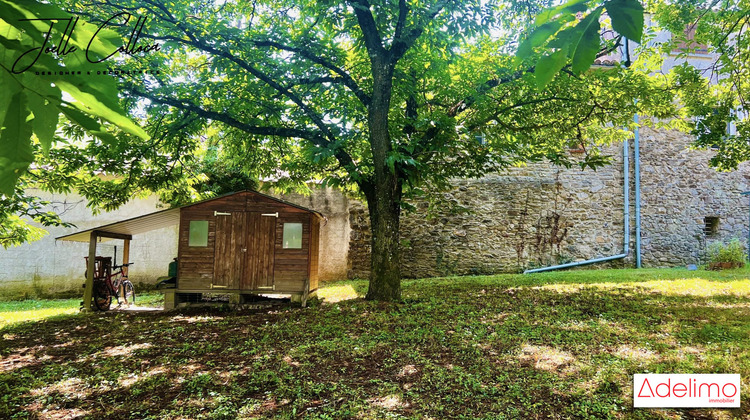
(624, 52)
(626, 221)
(637, 176)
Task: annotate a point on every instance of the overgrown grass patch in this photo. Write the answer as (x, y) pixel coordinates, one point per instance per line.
(554, 345)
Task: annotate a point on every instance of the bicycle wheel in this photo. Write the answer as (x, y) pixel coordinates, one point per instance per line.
(129, 292)
(102, 296)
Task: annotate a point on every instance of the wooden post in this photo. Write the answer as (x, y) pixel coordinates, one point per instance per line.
(305, 292)
(125, 256)
(88, 291)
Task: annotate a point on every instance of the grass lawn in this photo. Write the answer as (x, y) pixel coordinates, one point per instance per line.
(551, 345)
(16, 312)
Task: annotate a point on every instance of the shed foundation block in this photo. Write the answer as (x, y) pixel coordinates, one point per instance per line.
(170, 299)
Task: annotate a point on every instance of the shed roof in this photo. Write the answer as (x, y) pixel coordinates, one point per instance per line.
(132, 226)
(156, 220)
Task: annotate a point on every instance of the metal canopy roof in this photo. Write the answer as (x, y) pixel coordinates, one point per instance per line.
(134, 226)
(153, 221)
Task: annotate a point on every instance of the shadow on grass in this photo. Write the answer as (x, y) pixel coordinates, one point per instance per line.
(472, 347)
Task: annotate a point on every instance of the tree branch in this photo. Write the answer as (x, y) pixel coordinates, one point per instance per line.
(403, 41)
(315, 117)
(316, 138)
(313, 81)
(373, 41)
(465, 103)
(347, 80)
(323, 139)
(498, 113)
(201, 45)
(403, 10)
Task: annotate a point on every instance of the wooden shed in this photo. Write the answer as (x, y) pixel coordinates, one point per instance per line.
(244, 243)
(248, 242)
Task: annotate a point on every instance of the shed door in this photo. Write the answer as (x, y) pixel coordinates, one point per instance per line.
(228, 254)
(261, 239)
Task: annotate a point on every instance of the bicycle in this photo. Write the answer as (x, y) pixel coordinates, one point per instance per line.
(108, 284)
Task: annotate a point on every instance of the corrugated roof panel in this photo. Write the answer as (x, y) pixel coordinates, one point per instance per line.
(134, 226)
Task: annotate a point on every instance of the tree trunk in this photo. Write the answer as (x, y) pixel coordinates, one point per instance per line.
(384, 191)
(385, 271)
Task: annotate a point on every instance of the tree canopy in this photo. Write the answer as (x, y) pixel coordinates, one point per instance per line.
(717, 94)
(709, 41)
(30, 104)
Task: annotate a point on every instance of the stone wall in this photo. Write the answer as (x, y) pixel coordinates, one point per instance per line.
(543, 215)
(526, 217)
(679, 191)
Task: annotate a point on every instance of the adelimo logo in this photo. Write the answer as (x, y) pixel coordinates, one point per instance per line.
(686, 390)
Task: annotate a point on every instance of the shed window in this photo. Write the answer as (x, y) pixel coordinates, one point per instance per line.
(292, 235)
(198, 233)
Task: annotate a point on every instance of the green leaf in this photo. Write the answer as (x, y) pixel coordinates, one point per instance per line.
(9, 89)
(538, 37)
(570, 8)
(627, 18)
(100, 100)
(390, 161)
(12, 48)
(44, 100)
(589, 43)
(548, 66)
(89, 124)
(16, 153)
(45, 120)
(565, 38)
(100, 46)
(16, 16)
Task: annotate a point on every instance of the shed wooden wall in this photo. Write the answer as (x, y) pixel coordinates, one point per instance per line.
(196, 264)
(291, 266)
